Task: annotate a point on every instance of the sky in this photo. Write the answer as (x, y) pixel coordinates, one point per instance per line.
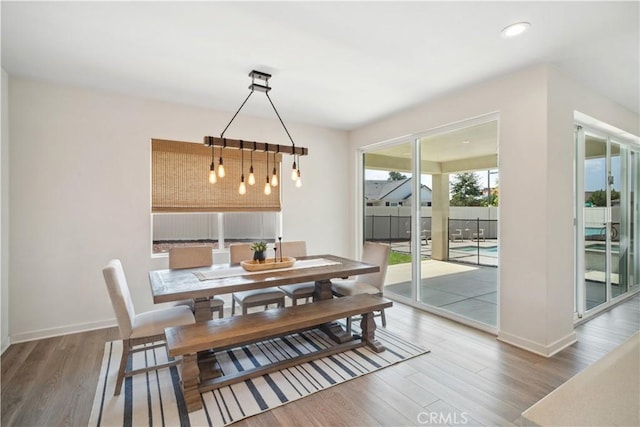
(595, 174)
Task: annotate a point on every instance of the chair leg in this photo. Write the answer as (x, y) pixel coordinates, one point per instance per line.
(233, 305)
(348, 325)
(294, 301)
(123, 366)
(384, 318)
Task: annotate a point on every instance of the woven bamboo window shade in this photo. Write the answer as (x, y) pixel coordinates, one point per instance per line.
(180, 180)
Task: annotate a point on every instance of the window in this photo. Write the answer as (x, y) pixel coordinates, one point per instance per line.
(186, 208)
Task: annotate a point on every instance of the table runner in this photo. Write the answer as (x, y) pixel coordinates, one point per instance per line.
(239, 271)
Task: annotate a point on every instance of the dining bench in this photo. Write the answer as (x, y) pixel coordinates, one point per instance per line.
(197, 343)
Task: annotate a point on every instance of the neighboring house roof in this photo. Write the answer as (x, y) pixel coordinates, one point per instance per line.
(378, 190)
(392, 190)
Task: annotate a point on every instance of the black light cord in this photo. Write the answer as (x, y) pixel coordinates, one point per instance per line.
(234, 116)
(279, 118)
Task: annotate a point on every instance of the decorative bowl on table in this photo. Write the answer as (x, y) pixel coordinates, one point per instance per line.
(268, 264)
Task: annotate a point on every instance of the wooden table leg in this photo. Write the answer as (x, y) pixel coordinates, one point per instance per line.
(332, 329)
(202, 309)
(322, 290)
(368, 326)
(208, 367)
(190, 380)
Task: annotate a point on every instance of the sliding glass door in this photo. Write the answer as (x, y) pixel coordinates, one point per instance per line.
(607, 213)
(388, 192)
(407, 204)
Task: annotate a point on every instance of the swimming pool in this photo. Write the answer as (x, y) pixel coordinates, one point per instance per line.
(594, 231)
(601, 247)
(488, 250)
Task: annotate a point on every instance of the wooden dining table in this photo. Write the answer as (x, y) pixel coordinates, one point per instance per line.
(200, 284)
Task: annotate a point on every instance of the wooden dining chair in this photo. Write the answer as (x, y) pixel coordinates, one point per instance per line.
(138, 329)
(193, 257)
(295, 291)
(257, 297)
(372, 283)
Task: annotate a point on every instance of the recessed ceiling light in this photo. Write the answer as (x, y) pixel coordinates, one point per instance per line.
(515, 29)
(466, 141)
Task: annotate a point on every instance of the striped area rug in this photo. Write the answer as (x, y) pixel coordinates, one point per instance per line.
(155, 398)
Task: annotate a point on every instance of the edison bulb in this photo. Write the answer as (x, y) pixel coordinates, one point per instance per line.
(252, 178)
(294, 173)
(298, 182)
(274, 179)
(212, 176)
(243, 188)
(267, 188)
(221, 172)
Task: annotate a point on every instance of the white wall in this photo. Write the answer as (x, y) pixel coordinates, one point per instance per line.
(4, 213)
(535, 152)
(80, 195)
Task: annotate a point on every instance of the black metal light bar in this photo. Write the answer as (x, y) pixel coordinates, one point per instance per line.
(255, 146)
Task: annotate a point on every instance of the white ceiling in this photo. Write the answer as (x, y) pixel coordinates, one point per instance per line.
(462, 149)
(334, 64)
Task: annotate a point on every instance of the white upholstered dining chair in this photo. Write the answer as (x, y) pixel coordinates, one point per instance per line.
(193, 257)
(372, 283)
(142, 328)
(295, 291)
(257, 297)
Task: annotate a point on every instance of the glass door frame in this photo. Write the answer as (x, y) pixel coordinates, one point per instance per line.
(416, 261)
(415, 200)
(625, 147)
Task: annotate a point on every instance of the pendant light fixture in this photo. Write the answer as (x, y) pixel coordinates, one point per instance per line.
(274, 177)
(223, 143)
(294, 169)
(221, 172)
(267, 185)
(212, 169)
(252, 178)
(298, 178)
(243, 188)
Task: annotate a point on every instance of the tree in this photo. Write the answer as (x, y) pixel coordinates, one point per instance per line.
(492, 200)
(396, 176)
(599, 197)
(466, 190)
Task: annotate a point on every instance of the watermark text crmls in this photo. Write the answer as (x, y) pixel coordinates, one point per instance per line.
(438, 418)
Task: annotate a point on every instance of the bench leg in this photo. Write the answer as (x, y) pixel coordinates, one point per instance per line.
(190, 380)
(368, 325)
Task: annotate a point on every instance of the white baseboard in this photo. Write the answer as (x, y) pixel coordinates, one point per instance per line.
(537, 348)
(64, 330)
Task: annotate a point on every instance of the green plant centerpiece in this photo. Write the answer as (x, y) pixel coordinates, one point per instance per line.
(259, 249)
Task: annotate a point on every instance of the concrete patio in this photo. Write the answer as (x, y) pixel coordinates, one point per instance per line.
(467, 290)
